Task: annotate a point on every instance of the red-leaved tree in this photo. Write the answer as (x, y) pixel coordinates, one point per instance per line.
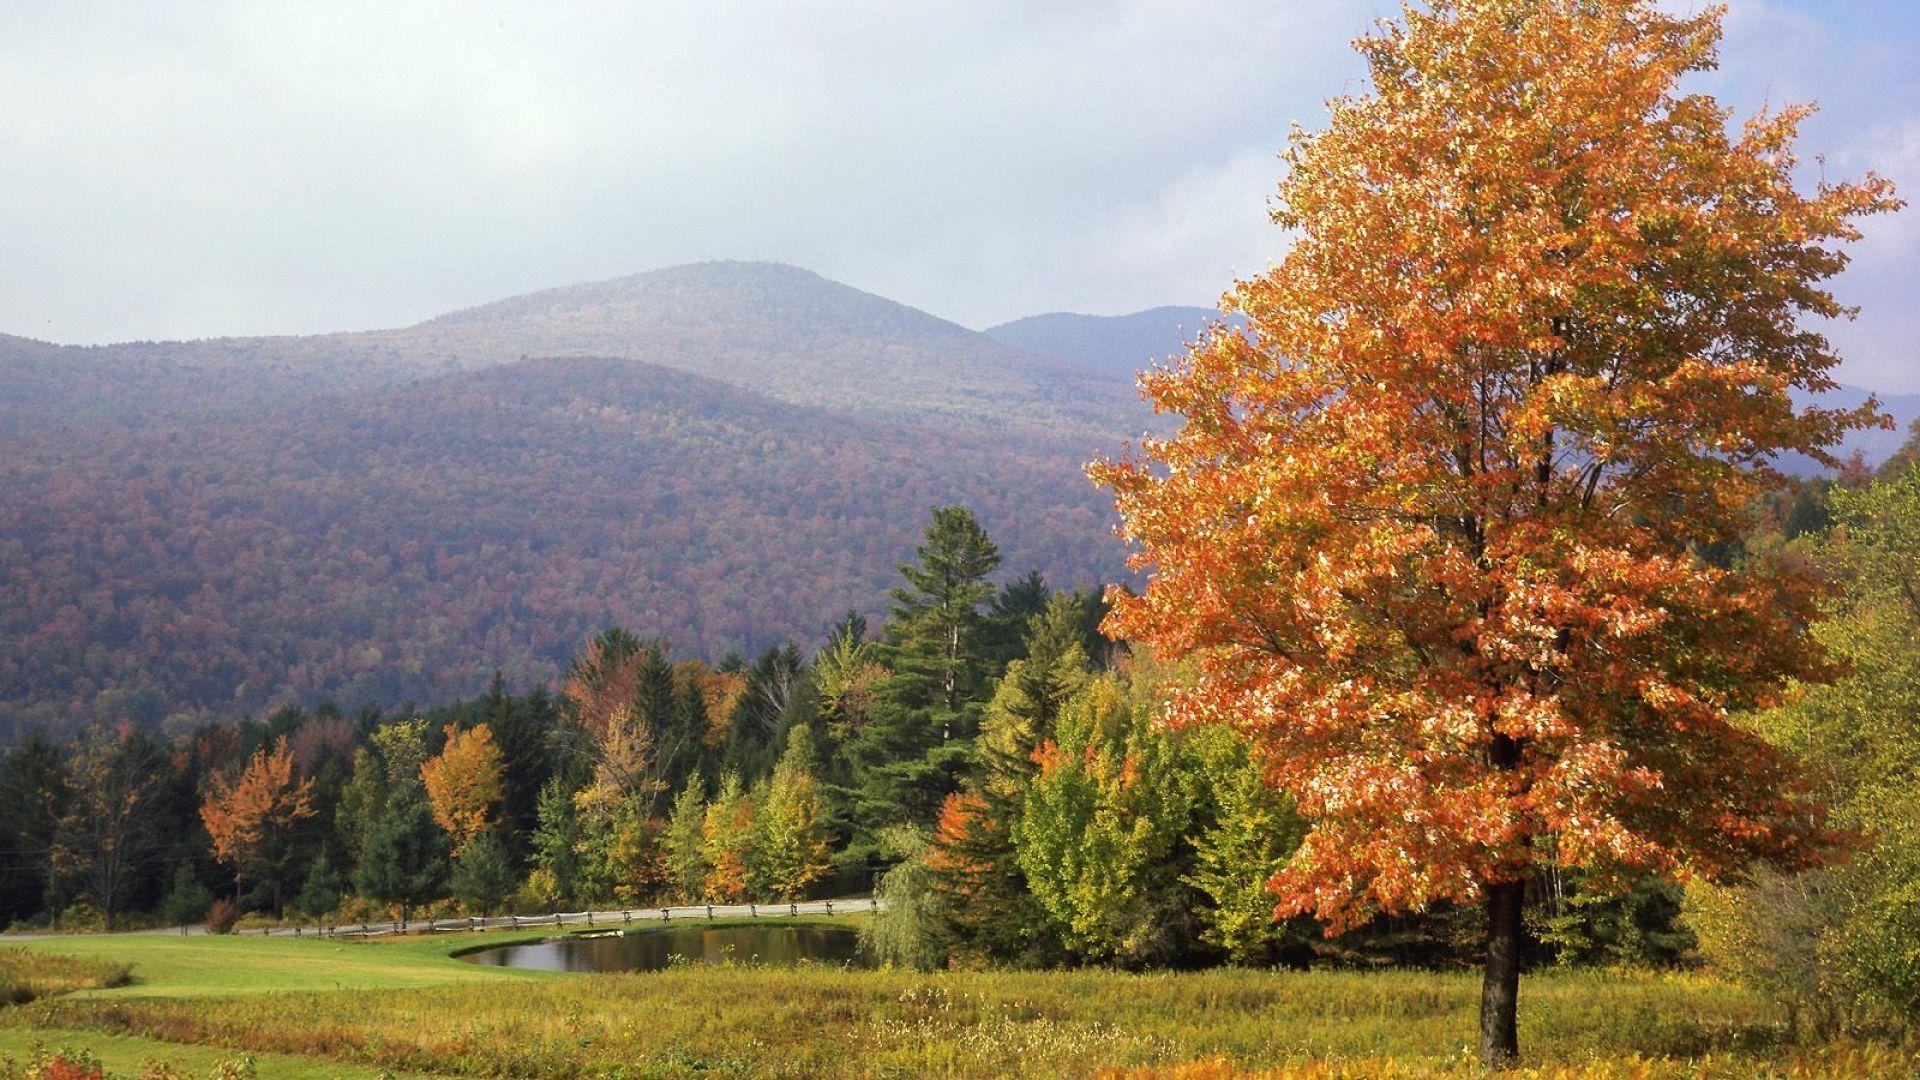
(1434, 528)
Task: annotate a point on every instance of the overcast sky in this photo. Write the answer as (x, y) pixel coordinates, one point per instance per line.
(200, 169)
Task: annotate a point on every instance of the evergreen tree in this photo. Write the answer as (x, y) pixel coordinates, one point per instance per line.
(523, 727)
(320, 893)
(483, 874)
(555, 877)
(404, 862)
(1004, 629)
(33, 797)
(916, 741)
(937, 625)
(186, 900)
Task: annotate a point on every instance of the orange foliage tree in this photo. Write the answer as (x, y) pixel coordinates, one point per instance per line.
(464, 783)
(1432, 527)
(252, 818)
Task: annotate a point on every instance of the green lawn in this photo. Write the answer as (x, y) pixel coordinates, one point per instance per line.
(337, 1008)
(165, 965)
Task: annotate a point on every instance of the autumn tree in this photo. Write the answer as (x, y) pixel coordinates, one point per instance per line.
(1429, 527)
(727, 836)
(252, 817)
(683, 846)
(790, 852)
(1102, 826)
(464, 783)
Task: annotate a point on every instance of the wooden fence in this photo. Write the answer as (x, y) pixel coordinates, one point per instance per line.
(611, 919)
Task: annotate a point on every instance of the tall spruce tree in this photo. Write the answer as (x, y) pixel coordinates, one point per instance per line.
(937, 624)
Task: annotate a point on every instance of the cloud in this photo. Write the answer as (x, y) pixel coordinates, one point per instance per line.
(177, 170)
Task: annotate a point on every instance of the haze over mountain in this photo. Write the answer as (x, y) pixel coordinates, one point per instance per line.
(775, 329)
(1117, 345)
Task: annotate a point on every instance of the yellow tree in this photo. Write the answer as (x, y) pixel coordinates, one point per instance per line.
(464, 783)
(1431, 528)
(251, 818)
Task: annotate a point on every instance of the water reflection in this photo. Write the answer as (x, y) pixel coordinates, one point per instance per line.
(657, 949)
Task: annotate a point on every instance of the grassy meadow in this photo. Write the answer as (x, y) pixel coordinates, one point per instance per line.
(407, 1007)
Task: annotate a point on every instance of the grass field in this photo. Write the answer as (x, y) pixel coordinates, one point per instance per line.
(313, 1008)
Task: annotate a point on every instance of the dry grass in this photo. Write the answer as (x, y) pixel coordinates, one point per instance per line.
(27, 974)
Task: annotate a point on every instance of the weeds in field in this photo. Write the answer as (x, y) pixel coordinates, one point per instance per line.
(26, 975)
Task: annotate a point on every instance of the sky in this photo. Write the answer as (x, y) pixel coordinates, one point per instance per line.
(181, 171)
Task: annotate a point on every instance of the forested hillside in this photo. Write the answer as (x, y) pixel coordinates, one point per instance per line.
(209, 529)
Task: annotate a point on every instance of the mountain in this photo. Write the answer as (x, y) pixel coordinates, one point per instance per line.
(728, 455)
(774, 329)
(1114, 345)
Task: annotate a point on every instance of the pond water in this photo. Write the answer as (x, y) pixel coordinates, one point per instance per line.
(653, 950)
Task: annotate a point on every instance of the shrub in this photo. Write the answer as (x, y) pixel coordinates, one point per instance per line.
(222, 916)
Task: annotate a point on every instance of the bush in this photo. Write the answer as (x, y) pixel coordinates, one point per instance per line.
(222, 916)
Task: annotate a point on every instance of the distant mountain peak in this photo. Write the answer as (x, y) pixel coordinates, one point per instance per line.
(702, 292)
(1108, 344)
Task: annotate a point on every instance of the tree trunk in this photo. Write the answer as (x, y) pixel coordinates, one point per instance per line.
(1500, 993)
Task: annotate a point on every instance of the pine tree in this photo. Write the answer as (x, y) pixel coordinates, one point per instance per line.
(483, 874)
(937, 625)
(555, 876)
(404, 862)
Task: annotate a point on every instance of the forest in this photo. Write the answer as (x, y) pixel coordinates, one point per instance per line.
(984, 757)
(403, 545)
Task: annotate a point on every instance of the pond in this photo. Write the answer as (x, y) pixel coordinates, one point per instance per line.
(653, 950)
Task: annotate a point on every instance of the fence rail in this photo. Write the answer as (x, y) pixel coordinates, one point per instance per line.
(613, 919)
